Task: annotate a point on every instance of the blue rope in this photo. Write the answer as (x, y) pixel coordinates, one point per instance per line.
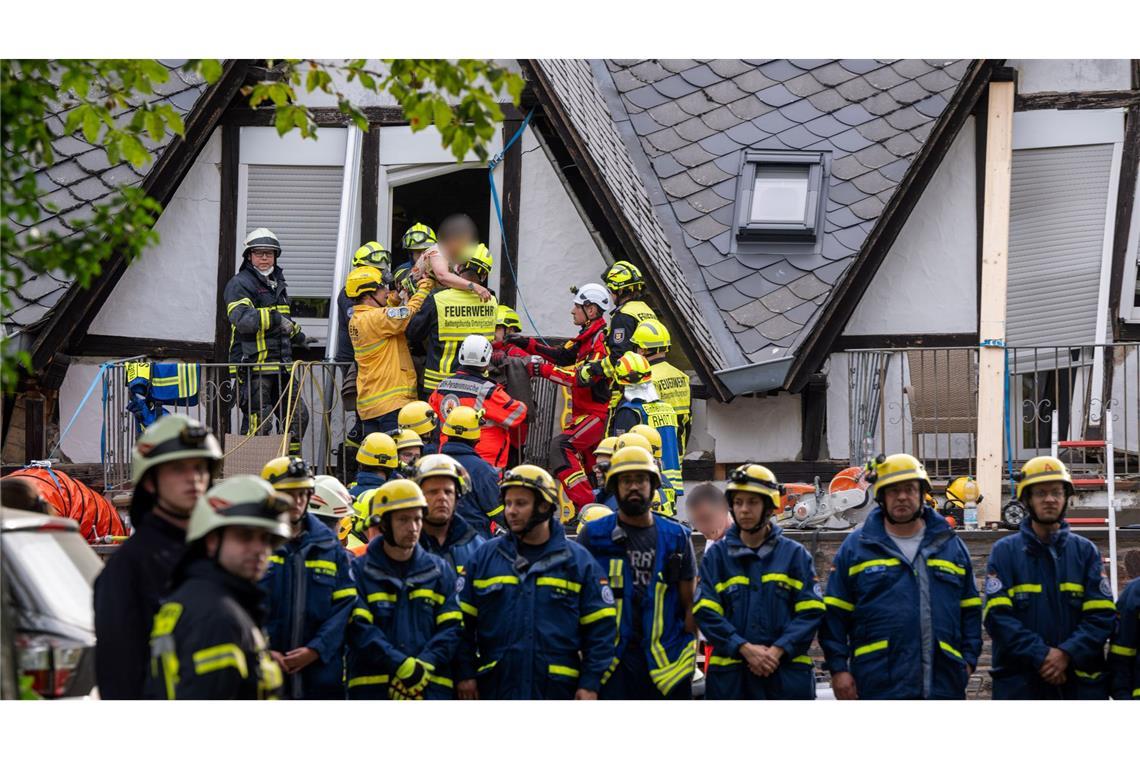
(86, 397)
(499, 215)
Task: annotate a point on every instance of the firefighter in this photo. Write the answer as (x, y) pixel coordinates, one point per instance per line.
(652, 341)
(757, 568)
(602, 455)
(263, 334)
(538, 612)
(589, 514)
(359, 534)
(903, 613)
(1124, 646)
(627, 285)
(503, 416)
(310, 592)
(609, 499)
(379, 459)
(331, 502)
(507, 323)
(417, 239)
(173, 463)
(1048, 606)
(446, 534)
(421, 419)
(449, 315)
(405, 627)
(572, 453)
(652, 572)
(480, 505)
(386, 379)
(409, 448)
(206, 641)
(371, 254)
(668, 490)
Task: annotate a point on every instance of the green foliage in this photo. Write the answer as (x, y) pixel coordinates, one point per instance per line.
(108, 103)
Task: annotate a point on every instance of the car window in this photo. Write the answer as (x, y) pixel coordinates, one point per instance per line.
(57, 569)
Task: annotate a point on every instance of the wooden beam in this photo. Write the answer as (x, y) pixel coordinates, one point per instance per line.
(813, 417)
(1086, 100)
(244, 116)
(1125, 203)
(370, 186)
(227, 233)
(155, 348)
(995, 273)
(943, 340)
(35, 424)
(981, 119)
(511, 199)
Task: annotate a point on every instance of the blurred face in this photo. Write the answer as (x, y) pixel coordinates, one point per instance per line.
(263, 259)
(406, 526)
(410, 454)
(601, 464)
(440, 494)
(177, 485)
(454, 246)
(709, 517)
(519, 506)
(748, 509)
(634, 488)
(242, 551)
(1047, 501)
(903, 500)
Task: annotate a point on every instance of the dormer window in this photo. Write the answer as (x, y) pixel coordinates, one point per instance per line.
(779, 197)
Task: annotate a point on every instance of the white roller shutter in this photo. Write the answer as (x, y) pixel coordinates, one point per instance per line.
(301, 204)
(1056, 240)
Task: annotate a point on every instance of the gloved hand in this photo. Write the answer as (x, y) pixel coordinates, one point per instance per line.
(517, 339)
(534, 366)
(286, 325)
(411, 678)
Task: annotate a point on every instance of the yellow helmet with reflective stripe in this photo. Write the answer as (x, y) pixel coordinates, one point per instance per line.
(623, 275)
(289, 473)
(507, 317)
(633, 439)
(442, 466)
(372, 254)
(378, 450)
(244, 500)
(362, 280)
(478, 259)
(1043, 469)
(607, 447)
(651, 334)
(419, 417)
(590, 513)
(754, 478)
(358, 520)
(419, 237)
(393, 496)
(463, 422)
(650, 434)
(406, 438)
(532, 477)
(632, 368)
(632, 459)
(897, 468)
(962, 490)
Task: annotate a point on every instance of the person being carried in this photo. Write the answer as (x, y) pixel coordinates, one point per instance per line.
(442, 260)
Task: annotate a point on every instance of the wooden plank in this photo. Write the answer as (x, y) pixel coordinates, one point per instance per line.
(1085, 100)
(511, 199)
(1122, 226)
(35, 422)
(945, 340)
(155, 348)
(227, 232)
(995, 273)
(370, 186)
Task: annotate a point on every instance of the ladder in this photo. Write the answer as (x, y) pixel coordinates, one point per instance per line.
(1108, 482)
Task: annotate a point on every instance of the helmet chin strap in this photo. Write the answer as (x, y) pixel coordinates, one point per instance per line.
(536, 518)
(914, 516)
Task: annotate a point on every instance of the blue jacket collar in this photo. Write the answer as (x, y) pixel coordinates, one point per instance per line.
(371, 479)
(874, 527)
(736, 546)
(379, 565)
(453, 447)
(1035, 544)
(459, 532)
(316, 534)
(556, 549)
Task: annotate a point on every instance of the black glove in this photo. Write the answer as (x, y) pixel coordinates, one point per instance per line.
(517, 339)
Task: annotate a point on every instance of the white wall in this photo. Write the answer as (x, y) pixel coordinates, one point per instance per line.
(168, 292)
(764, 429)
(928, 280)
(82, 442)
(1070, 75)
(838, 411)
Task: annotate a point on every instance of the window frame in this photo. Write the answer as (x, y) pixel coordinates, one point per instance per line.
(806, 231)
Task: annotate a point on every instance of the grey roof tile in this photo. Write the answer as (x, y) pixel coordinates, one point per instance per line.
(752, 313)
(725, 215)
(807, 64)
(776, 96)
(825, 126)
(685, 213)
(650, 71)
(747, 133)
(696, 103)
(868, 208)
(677, 65)
(666, 166)
(907, 93)
(895, 170)
(674, 87)
(773, 123)
(922, 131)
(801, 313)
(725, 92)
(667, 140)
(89, 189)
(872, 182)
(721, 119)
(809, 286)
(849, 141)
(780, 300)
(704, 228)
(877, 130)
(752, 81)
(828, 100)
(646, 97)
(937, 81)
(860, 65)
(777, 327)
(847, 167)
(781, 272)
(884, 78)
(832, 74)
(902, 144)
(831, 273)
(932, 106)
(692, 155)
(880, 103)
(911, 68)
(753, 342)
(797, 137)
(701, 76)
(729, 298)
(643, 123)
(906, 118)
(844, 193)
(801, 111)
(667, 114)
(779, 70)
(755, 285)
(719, 143)
(726, 189)
(706, 254)
(65, 173)
(805, 85)
(624, 80)
(680, 185)
(749, 108)
(853, 115)
(693, 130)
(856, 89)
(707, 201)
(727, 69)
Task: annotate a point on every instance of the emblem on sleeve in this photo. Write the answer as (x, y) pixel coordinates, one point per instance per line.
(993, 585)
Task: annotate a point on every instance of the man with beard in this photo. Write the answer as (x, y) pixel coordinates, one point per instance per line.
(174, 461)
(652, 572)
(1049, 608)
(903, 612)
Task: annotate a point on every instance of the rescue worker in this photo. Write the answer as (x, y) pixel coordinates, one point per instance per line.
(571, 456)
(538, 612)
(421, 419)
(173, 463)
(627, 285)
(206, 641)
(450, 315)
(480, 504)
(409, 448)
(502, 416)
(589, 514)
(359, 532)
(652, 340)
(668, 490)
(1124, 646)
(331, 502)
(609, 499)
(759, 601)
(1048, 605)
(902, 618)
(405, 627)
(602, 455)
(371, 254)
(640, 404)
(310, 593)
(507, 323)
(446, 534)
(386, 379)
(378, 460)
(417, 239)
(652, 572)
(263, 334)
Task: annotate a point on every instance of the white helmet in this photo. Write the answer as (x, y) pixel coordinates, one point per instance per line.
(262, 237)
(330, 498)
(596, 294)
(475, 351)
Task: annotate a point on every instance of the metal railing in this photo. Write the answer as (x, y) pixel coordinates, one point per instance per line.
(307, 416)
(924, 401)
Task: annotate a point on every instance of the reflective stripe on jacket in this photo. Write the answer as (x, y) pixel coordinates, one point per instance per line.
(447, 318)
(386, 377)
(254, 310)
(1124, 647)
(502, 414)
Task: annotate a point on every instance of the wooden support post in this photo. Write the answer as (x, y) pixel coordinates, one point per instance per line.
(991, 323)
(511, 198)
(35, 422)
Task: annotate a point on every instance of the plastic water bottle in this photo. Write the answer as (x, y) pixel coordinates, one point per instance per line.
(971, 515)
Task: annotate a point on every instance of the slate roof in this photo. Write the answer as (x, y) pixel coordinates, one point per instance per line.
(685, 125)
(81, 177)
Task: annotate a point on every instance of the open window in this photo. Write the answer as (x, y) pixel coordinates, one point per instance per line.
(780, 198)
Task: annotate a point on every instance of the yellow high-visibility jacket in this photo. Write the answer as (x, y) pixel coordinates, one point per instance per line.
(386, 378)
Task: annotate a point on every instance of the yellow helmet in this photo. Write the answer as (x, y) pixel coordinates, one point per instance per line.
(344, 527)
(754, 478)
(419, 417)
(441, 465)
(407, 438)
(393, 496)
(378, 450)
(897, 468)
(632, 368)
(590, 513)
(633, 439)
(478, 259)
(623, 275)
(358, 520)
(1043, 470)
(507, 317)
(606, 447)
(419, 237)
(288, 473)
(463, 422)
(372, 254)
(362, 280)
(241, 500)
(632, 459)
(651, 335)
(532, 477)
(962, 490)
(650, 434)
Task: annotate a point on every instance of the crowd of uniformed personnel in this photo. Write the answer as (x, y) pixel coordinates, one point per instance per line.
(451, 569)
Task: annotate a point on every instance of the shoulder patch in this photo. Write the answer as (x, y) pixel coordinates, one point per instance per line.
(993, 585)
(607, 595)
(398, 312)
(1105, 587)
(619, 335)
(818, 589)
(460, 582)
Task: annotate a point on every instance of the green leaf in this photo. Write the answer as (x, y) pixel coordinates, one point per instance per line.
(443, 114)
(91, 125)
